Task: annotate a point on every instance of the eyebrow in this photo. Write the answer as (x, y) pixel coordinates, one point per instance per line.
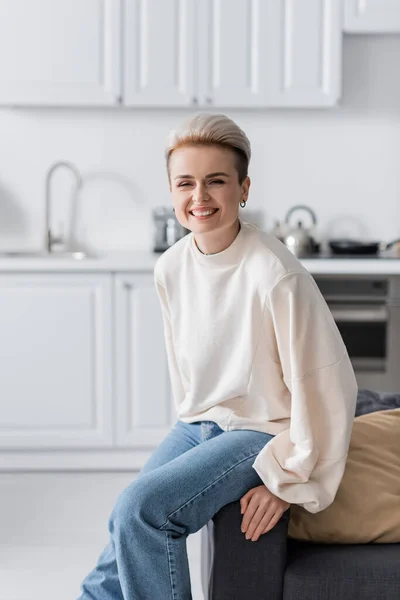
(209, 175)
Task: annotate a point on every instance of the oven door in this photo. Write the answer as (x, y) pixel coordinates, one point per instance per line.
(364, 328)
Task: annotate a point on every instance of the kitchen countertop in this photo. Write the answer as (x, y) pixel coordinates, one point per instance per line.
(353, 266)
(120, 260)
(144, 261)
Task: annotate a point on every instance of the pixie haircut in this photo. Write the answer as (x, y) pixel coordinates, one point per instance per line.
(212, 129)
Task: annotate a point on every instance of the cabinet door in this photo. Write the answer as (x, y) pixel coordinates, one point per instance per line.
(144, 405)
(159, 53)
(55, 361)
(63, 52)
(232, 49)
(303, 57)
(371, 16)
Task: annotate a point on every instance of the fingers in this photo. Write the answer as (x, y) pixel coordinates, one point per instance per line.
(244, 501)
(249, 514)
(273, 522)
(262, 510)
(259, 522)
(243, 505)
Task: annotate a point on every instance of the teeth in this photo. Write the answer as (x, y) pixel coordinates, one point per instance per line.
(202, 213)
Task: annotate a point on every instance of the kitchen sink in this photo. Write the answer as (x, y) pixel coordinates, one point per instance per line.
(77, 255)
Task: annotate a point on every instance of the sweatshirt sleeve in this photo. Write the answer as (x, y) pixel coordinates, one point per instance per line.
(304, 464)
(175, 378)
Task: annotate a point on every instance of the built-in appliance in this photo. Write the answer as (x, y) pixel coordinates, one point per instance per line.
(366, 309)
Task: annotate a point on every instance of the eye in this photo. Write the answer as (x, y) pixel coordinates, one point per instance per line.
(184, 184)
(217, 181)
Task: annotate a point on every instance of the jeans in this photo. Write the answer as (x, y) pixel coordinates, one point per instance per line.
(196, 470)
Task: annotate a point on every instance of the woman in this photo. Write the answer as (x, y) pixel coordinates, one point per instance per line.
(263, 386)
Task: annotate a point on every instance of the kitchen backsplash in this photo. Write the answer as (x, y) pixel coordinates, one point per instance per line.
(342, 162)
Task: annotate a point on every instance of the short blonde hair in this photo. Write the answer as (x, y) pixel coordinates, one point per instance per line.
(212, 129)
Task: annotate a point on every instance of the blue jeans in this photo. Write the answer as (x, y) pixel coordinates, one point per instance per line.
(196, 470)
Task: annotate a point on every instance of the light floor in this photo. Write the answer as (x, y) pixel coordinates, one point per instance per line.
(54, 526)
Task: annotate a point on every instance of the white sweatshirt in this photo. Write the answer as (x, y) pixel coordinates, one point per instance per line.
(252, 344)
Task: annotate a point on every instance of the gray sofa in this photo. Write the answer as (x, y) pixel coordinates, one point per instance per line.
(276, 567)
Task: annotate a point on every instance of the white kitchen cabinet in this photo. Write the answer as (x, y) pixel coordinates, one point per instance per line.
(371, 16)
(171, 53)
(232, 53)
(144, 408)
(193, 53)
(63, 52)
(159, 53)
(55, 361)
(303, 54)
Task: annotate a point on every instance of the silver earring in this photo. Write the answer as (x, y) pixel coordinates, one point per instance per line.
(243, 203)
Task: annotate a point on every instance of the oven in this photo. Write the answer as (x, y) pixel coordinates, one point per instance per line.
(366, 310)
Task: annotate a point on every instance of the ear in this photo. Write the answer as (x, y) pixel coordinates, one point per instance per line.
(246, 186)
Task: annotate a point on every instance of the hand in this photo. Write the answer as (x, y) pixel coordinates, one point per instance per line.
(262, 510)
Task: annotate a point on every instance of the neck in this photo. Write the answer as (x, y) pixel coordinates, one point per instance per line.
(214, 242)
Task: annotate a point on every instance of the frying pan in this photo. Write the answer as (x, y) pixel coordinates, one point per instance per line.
(348, 246)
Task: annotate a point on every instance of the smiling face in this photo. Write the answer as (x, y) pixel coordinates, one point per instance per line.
(205, 178)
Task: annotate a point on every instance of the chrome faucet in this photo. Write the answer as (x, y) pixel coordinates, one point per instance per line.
(50, 238)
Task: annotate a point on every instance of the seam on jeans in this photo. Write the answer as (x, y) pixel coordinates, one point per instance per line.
(173, 596)
(208, 486)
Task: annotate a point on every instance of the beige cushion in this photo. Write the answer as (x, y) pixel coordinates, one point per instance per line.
(367, 505)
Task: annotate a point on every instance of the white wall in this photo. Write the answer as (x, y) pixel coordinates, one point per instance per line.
(343, 162)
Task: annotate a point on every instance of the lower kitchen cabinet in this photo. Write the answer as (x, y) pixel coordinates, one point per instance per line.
(55, 361)
(144, 408)
(84, 386)
(84, 374)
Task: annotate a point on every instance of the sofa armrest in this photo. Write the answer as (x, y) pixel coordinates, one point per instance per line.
(243, 569)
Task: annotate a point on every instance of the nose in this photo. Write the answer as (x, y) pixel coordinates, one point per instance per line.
(200, 193)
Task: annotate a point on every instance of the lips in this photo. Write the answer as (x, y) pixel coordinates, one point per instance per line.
(211, 208)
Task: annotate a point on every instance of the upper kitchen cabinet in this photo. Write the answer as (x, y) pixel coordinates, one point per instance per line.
(160, 38)
(192, 53)
(64, 52)
(303, 52)
(371, 16)
(232, 53)
(232, 47)
(170, 53)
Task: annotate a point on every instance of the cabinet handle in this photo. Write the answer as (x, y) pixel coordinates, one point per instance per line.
(209, 100)
(194, 100)
(127, 286)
